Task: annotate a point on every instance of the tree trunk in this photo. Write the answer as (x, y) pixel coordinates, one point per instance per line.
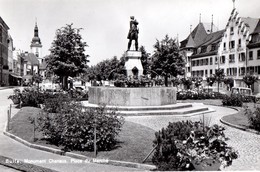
(166, 81)
(218, 86)
(65, 82)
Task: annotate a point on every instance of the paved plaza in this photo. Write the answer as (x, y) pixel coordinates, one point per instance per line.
(247, 144)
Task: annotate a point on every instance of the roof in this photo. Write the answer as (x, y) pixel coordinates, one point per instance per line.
(190, 42)
(198, 35)
(4, 24)
(251, 23)
(213, 38)
(30, 57)
(257, 28)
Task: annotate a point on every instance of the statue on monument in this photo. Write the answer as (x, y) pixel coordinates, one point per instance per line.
(133, 33)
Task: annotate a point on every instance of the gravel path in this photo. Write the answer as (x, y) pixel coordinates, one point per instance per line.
(247, 144)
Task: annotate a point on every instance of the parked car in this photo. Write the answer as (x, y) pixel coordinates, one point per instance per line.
(242, 90)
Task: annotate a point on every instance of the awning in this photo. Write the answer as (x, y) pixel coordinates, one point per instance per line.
(16, 76)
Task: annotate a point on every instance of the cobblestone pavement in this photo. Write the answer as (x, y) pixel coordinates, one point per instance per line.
(247, 144)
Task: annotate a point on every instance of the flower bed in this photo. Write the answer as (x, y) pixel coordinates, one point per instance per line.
(191, 145)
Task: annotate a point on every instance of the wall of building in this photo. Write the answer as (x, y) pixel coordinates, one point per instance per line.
(4, 72)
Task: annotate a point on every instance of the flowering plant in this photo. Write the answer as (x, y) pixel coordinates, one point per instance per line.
(194, 147)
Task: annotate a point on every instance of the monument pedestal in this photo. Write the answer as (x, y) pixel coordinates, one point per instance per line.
(133, 64)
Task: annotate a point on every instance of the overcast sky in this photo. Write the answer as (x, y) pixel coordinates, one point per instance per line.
(105, 23)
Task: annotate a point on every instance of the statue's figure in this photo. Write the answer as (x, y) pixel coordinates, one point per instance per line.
(133, 33)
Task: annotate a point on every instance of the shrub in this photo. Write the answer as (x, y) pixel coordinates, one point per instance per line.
(186, 145)
(253, 118)
(54, 103)
(32, 97)
(73, 127)
(16, 97)
(233, 100)
(194, 95)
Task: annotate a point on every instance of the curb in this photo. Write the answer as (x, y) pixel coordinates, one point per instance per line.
(239, 127)
(78, 156)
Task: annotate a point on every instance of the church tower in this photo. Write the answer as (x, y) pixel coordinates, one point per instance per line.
(36, 46)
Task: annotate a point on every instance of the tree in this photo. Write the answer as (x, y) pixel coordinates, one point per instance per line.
(197, 81)
(37, 78)
(229, 82)
(108, 69)
(167, 59)
(67, 54)
(219, 76)
(144, 60)
(211, 80)
(250, 80)
(187, 82)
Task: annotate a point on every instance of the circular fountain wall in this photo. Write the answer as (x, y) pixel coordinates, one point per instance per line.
(147, 96)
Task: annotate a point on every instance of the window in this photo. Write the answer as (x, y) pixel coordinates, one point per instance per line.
(210, 71)
(224, 46)
(231, 58)
(232, 30)
(258, 54)
(222, 59)
(216, 60)
(201, 62)
(242, 57)
(207, 61)
(242, 71)
(206, 73)
(210, 61)
(239, 43)
(203, 49)
(250, 55)
(232, 44)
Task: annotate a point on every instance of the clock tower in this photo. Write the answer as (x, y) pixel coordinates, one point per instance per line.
(36, 46)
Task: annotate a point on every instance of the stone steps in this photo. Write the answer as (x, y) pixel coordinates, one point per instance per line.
(179, 109)
(183, 111)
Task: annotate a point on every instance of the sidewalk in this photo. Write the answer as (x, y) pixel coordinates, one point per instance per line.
(8, 87)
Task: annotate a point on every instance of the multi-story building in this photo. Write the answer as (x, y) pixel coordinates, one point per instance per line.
(235, 58)
(204, 60)
(14, 77)
(235, 50)
(4, 68)
(196, 38)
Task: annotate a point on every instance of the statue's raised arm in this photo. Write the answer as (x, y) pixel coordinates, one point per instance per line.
(133, 33)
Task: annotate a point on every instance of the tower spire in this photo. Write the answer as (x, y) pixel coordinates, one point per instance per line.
(200, 18)
(190, 28)
(234, 4)
(211, 29)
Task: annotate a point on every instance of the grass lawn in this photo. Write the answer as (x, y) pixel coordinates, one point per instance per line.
(238, 119)
(136, 141)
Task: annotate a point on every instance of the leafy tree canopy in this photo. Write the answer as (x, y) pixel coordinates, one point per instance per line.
(67, 56)
(167, 59)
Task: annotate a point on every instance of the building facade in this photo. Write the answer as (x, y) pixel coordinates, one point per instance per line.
(235, 50)
(4, 68)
